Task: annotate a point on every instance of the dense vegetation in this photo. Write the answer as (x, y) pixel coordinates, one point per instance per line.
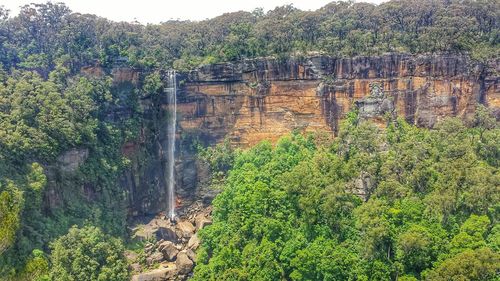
(40, 119)
(87, 254)
(289, 212)
(433, 196)
(44, 34)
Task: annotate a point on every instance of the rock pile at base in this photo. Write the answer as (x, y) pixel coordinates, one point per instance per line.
(170, 250)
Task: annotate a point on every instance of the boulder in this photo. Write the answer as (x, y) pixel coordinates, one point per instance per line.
(191, 254)
(168, 250)
(194, 242)
(135, 267)
(160, 274)
(149, 248)
(166, 233)
(183, 263)
(201, 221)
(156, 257)
(185, 229)
(145, 233)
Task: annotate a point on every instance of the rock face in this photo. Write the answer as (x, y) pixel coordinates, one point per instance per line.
(70, 160)
(253, 100)
(263, 99)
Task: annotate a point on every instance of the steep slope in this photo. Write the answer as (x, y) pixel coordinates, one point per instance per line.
(253, 100)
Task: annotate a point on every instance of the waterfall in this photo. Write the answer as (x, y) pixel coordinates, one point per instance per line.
(171, 91)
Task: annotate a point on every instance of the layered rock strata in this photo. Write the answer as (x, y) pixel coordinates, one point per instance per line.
(260, 99)
(263, 99)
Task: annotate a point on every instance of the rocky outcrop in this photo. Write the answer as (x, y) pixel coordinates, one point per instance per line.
(265, 98)
(70, 160)
(253, 100)
(169, 258)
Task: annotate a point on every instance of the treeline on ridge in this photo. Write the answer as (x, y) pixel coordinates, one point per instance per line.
(42, 35)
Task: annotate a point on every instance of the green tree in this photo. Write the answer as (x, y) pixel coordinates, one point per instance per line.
(11, 204)
(472, 234)
(415, 249)
(36, 268)
(480, 264)
(88, 254)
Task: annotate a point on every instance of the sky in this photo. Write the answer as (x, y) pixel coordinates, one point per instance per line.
(156, 11)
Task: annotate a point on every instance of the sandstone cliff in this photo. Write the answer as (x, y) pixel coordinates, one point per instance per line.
(259, 99)
(263, 99)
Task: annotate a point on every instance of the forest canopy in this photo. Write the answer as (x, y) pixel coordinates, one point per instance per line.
(42, 36)
(400, 203)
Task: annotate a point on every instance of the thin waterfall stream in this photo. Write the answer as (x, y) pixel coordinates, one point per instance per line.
(171, 91)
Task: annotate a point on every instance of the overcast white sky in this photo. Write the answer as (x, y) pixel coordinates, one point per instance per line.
(155, 11)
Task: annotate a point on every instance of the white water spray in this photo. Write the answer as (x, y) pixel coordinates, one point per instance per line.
(171, 91)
